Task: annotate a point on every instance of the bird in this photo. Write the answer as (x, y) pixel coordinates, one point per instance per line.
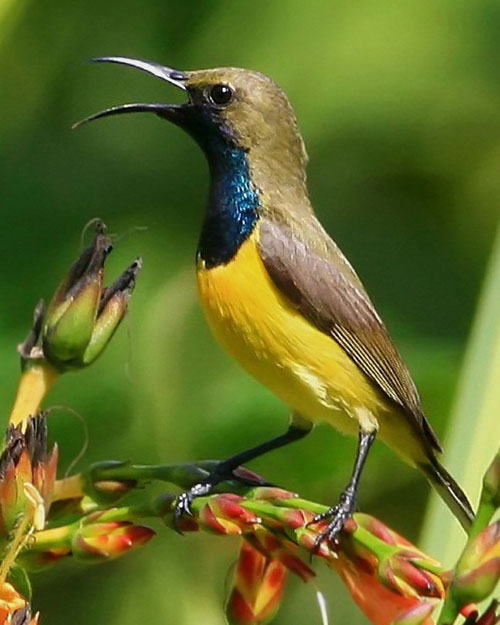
(278, 293)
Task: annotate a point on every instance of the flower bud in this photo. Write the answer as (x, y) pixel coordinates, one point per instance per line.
(112, 309)
(491, 483)
(14, 608)
(101, 483)
(478, 569)
(420, 614)
(257, 588)
(27, 475)
(83, 316)
(222, 514)
(96, 542)
(490, 617)
(70, 316)
(280, 548)
(404, 574)
(391, 580)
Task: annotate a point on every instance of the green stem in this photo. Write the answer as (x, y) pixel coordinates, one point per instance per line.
(299, 503)
(135, 512)
(182, 475)
(449, 613)
(55, 538)
(483, 517)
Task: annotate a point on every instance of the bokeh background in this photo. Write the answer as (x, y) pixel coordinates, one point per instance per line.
(399, 104)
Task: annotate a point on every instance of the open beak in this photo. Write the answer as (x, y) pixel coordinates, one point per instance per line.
(175, 77)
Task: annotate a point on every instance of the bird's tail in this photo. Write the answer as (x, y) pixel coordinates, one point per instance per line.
(449, 491)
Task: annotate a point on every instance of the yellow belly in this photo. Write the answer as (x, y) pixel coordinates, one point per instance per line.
(303, 366)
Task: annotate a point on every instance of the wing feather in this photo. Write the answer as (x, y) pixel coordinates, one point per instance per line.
(319, 281)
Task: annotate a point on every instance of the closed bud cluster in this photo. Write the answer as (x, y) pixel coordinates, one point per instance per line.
(391, 580)
(83, 315)
(27, 476)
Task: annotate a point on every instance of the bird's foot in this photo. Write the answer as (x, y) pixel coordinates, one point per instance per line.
(185, 499)
(338, 515)
(219, 474)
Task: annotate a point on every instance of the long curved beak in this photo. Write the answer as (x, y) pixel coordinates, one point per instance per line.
(167, 111)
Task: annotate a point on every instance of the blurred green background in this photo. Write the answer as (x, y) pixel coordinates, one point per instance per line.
(399, 104)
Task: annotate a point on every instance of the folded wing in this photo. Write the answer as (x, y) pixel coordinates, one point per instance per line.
(318, 280)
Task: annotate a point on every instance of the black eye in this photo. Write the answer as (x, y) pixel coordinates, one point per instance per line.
(220, 95)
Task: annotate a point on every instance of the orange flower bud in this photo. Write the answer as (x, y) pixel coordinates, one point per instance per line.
(14, 608)
(391, 580)
(258, 586)
(222, 514)
(108, 540)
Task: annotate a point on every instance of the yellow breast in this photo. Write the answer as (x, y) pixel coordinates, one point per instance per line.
(278, 346)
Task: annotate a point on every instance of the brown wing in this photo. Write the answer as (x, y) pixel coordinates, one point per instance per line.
(319, 281)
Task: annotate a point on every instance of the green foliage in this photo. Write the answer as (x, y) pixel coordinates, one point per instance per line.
(473, 437)
(20, 580)
(399, 106)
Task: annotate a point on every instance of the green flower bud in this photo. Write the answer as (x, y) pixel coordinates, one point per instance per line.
(478, 570)
(83, 316)
(112, 309)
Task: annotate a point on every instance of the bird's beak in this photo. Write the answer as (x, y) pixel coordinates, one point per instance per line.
(172, 112)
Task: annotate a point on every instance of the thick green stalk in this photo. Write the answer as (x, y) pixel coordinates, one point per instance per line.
(474, 430)
(11, 12)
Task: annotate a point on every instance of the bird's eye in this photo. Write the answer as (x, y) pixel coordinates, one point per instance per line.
(220, 95)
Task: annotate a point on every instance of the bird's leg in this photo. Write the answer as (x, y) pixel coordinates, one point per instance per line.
(340, 513)
(225, 470)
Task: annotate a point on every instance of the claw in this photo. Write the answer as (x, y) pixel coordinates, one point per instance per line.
(182, 508)
(185, 499)
(339, 516)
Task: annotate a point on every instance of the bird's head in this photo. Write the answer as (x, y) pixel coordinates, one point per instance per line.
(225, 107)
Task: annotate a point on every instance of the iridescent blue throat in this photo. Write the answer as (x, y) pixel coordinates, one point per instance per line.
(232, 211)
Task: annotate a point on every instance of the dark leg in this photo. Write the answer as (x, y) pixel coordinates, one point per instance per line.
(225, 469)
(340, 513)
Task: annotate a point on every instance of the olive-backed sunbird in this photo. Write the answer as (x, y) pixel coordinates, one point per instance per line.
(279, 294)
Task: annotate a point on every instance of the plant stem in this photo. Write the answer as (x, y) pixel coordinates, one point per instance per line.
(18, 541)
(52, 538)
(34, 383)
(68, 488)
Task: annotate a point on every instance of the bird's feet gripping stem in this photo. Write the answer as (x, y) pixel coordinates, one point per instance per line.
(222, 473)
(338, 516)
(343, 511)
(231, 469)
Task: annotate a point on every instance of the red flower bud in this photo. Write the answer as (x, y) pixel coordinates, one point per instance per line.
(222, 514)
(108, 540)
(257, 590)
